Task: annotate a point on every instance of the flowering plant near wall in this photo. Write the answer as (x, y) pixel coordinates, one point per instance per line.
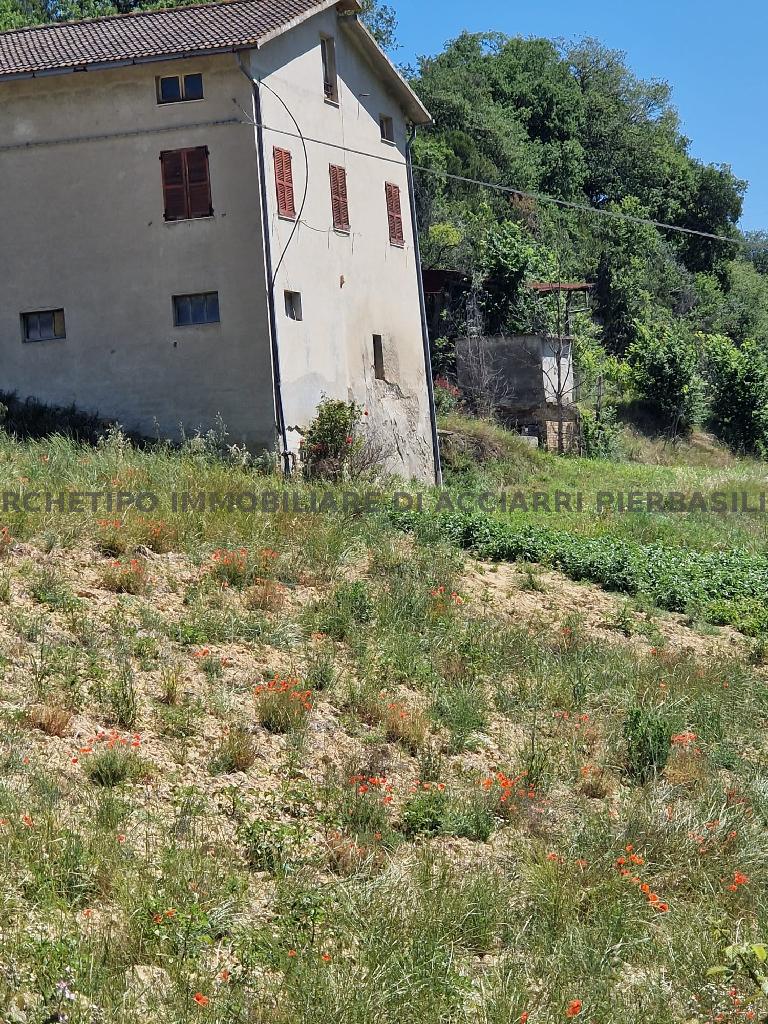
(331, 439)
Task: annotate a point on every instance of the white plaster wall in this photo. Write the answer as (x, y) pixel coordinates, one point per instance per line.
(81, 227)
(353, 286)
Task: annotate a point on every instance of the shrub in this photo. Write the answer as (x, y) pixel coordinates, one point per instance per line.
(348, 607)
(126, 577)
(113, 766)
(665, 361)
(446, 396)
(51, 720)
(331, 439)
(432, 811)
(649, 736)
(600, 437)
(111, 538)
(738, 381)
(265, 596)
(6, 540)
(404, 725)
(282, 704)
(236, 752)
(270, 845)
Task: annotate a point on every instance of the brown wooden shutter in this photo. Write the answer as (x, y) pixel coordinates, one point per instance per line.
(394, 214)
(186, 183)
(174, 190)
(286, 205)
(339, 200)
(198, 182)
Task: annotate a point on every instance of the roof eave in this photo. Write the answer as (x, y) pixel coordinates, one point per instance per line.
(410, 102)
(127, 62)
(322, 5)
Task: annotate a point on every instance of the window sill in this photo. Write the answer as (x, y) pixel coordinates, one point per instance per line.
(290, 218)
(189, 220)
(344, 232)
(172, 103)
(42, 341)
(389, 142)
(397, 245)
(196, 327)
(332, 103)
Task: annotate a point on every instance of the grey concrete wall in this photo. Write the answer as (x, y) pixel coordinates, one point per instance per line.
(522, 371)
(82, 228)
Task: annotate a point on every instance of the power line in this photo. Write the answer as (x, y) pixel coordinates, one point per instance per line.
(595, 210)
(510, 190)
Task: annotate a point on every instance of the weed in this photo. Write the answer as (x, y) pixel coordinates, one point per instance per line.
(51, 720)
(236, 752)
(282, 704)
(126, 577)
(648, 733)
(113, 766)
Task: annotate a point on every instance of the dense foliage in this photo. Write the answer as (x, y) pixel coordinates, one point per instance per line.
(575, 124)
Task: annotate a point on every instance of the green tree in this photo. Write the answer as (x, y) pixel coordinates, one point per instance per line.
(665, 361)
(738, 383)
(382, 23)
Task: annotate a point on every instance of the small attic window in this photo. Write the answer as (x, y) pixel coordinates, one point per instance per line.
(177, 88)
(330, 75)
(387, 125)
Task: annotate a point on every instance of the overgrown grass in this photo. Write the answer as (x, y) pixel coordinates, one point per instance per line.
(462, 818)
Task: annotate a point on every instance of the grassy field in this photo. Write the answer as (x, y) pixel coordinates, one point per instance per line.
(298, 767)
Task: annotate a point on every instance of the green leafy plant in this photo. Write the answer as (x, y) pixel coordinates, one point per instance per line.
(331, 439)
(648, 734)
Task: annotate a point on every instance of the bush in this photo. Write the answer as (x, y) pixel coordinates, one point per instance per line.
(235, 753)
(600, 437)
(113, 765)
(349, 607)
(665, 361)
(330, 440)
(446, 396)
(432, 811)
(270, 845)
(282, 704)
(738, 382)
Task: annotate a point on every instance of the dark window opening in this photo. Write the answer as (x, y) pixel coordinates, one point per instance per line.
(293, 309)
(175, 88)
(186, 183)
(378, 357)
(387, 125)
(330, 76)
(46, 325)
(189, 310)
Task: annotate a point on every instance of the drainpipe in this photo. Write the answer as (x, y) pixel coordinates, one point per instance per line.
(266, 231)
(423, 305)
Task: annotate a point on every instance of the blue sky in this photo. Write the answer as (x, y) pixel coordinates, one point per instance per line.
(713, 54)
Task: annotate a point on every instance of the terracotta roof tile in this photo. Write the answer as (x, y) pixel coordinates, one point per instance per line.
(236, 24)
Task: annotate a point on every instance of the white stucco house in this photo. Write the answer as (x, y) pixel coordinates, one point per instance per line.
(206, 212)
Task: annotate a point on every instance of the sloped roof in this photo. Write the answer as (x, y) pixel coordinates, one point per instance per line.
(148, 35)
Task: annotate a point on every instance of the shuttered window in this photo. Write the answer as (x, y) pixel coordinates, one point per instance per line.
(394, 214)
(339, 201)
(186, 183)
(286, 205)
